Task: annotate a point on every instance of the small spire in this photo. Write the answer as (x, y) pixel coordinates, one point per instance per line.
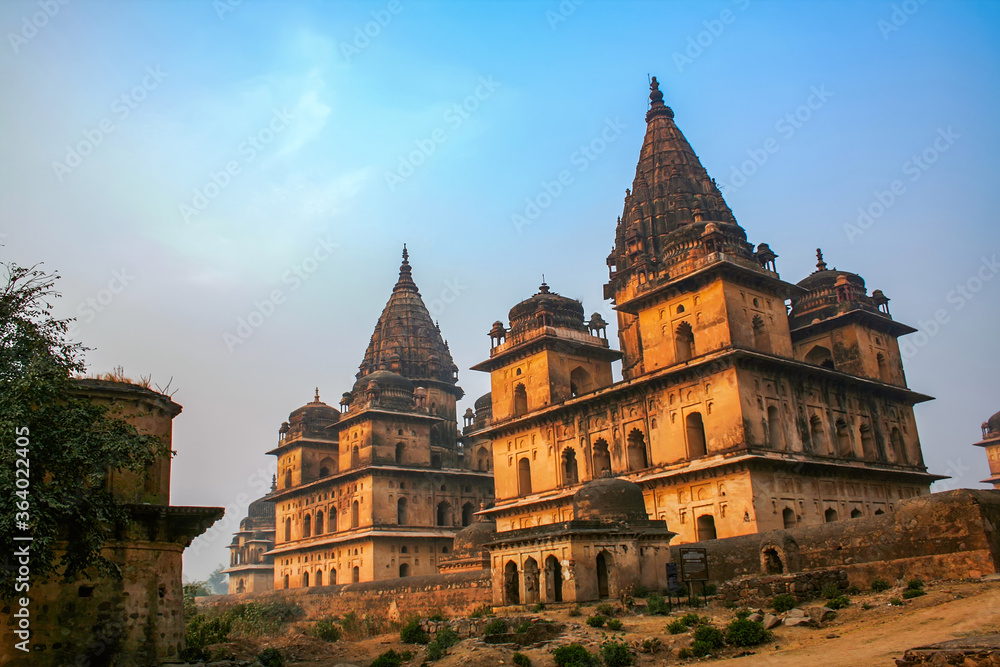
(543, 288)
(656, 105)
(317, 396)
(405, 282)
(820, 264)
(274, 483)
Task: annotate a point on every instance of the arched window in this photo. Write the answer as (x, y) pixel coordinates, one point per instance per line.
(520, 400)
(444, 513)
(579, 381)
(319, 577)
(355, 457)
(286, 581)
(883, 368)
(604, 563)
(830, 515)
(288, 478)
(602, 457)
(531, 581)
(307, 526)
(553, 580)
(355, 514)
(333, 520)
(523, 477)
(636, 447)
(820, 356)
(844, 447)
(898, 446)
(305, 579)
(483, 460)
(569, 467)
(333, 576)
(855, 514)
(467, 512)
(319, 522)
(867, 442)
(241, 587)
(401, 511)
(288, 529)
(775, 434)
(404, 569)
(761, 340)
(817, 434)
(400, 449)
(684, 342)
(356, 574)
(788, 518)
(697, 444)
(327, 466)
(706, 527)
(436, 461)
(511, 584)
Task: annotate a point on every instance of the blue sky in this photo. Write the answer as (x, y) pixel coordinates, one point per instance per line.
(308, 152)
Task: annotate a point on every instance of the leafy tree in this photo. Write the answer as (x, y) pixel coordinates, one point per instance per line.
(217, 583)
(72, 443)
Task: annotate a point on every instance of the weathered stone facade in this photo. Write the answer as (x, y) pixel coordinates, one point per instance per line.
(137, 620)
(737, 415)
(251, 569)
(991, 442)
(379, 489)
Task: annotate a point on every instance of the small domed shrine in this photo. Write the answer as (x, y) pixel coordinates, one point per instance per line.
(991, 442)
(251, 569)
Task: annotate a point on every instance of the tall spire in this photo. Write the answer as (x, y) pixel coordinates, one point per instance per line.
(820, 264)
(405, 282)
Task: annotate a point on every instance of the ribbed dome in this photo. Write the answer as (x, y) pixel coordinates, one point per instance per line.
(470, 540)
(316, 410)
(609, 499)
(406, 340)
(993, 424)
(262, 508)
(484, 401)
(546, 308)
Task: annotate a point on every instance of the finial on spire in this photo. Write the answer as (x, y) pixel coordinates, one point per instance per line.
(656, 105)
(317, 395)
(406, 255)
(820, 264)
(543, 288)
(274, 483)
(405, 282)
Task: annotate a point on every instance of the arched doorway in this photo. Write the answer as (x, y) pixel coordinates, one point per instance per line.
(553, 580)
(603, 575)
(401, 511)
(830, 515)
(288, 530)
(356, 574)
(483, 460)
(706, 527)
(319, 522)
(856, 514)
(305, 579)
(319, 577)
(530, 581)
(602, 457)
(327, 466)
(775, 435)
(520, 400)
(772, 562)
(333, 576)
(404, 569)
(241, 587)
(579, 381)
(570, 472)
(355, 457)
(820, 356)
(400, 451)
(761, 341)
(697, 445)
(523, 477)
(444, 513)
(467, 514)
(636, 447)
(511, 584)
(307, 526)
(788, 518)
(685, 342)
(355, 514)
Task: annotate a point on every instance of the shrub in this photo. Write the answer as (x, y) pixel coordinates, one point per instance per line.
(640, 591)
(606, 609)
(193, 654)
(326, 630)
(616, 654)
(362, 627)
(524, 627)
(711, 589)
(412, 633)
(880, 585)
(438, 617)
(782, 603)
(696, 601)
(481, 611)
(853, 590)
(690, 619)
(497, 626)
(710, 635)
(614, 624)
(701, 649)
(574, 655)
(538, 607)
(202, 630)
(682, 591)
(677, 627)
(271, 657)
(262, 619)
(388, 659)
(895, 602)
(596, 621)
(830, 591)
(913, 593)
(685, 653)
(838, 602)
(866, 606)
(575, 611)
(657, 606)
(651, 645)
(743, 613)
(744, 632)
(914, 585)
(521, 660)
(443, 640)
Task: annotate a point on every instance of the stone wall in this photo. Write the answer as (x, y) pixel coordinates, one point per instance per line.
(803, 585)
(949, 535)
(454, 594)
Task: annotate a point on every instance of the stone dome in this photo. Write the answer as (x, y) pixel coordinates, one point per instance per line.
(546, 308)
(992, 426)
(828, 278)
(470, 541)
(262, 508)
(609, 499)
(384, 379)
(484, 401)
(316, 410)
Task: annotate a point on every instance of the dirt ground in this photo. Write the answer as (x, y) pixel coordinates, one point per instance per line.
(871, 637)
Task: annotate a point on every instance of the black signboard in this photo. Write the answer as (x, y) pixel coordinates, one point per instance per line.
(694, 564)
(672, 584)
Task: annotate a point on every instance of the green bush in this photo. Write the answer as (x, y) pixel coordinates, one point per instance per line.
(914, 585)
(701, 649)
(262, 619)
(362, 627)
(271, 657)
(685, 653)
(782, 603)
(614, 624)
(596, 621)
(326, 630)
(913, 593)
(193, 654)
(710, 635)
(521, 660)
(438, 617)
(744, 632)
(640, 591)
(866, 606)
(743, 613)
(853, 590)
(677, 627)
(497, 626)
(895, 602)
(880, 585)
(202, 631)
(575, 611)
(538, 607)
(616, 654)
(524, 627)
(690, 619)
(481, 611)
(838, 602)
(657, 606)
(830, 591)
(651, 645)
(388, 659)
(606, 609)
(696, 601)
(574, 655)
(412, 633)
(711, 589)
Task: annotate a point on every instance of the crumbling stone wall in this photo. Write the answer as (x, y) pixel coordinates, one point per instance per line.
(803, 585)
(949, 535)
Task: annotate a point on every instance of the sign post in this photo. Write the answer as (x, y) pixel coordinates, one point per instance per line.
(694, 567)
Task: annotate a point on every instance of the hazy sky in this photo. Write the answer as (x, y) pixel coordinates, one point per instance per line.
(188, 166)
